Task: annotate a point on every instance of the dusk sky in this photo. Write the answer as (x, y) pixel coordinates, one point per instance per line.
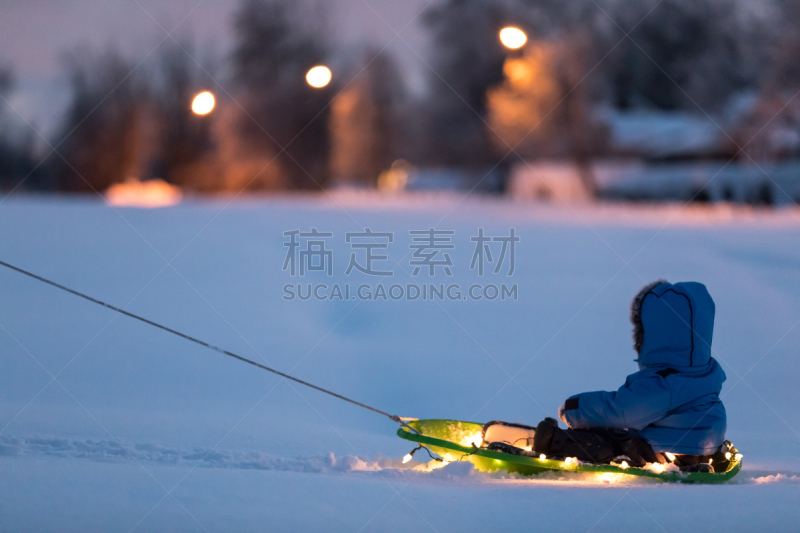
(35, 33)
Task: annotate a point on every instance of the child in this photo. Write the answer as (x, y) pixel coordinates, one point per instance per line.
(673, 402)
(671, 407)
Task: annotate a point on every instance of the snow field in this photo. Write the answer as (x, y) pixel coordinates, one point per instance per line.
(107, 424)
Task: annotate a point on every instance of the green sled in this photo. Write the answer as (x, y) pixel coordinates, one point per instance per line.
(450, 440)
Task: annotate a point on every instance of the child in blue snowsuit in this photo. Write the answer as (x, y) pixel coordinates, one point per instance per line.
(672, 403)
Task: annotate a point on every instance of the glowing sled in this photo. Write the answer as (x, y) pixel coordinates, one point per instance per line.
(453, 441)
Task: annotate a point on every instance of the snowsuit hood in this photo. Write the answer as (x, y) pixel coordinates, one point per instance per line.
(678, 324)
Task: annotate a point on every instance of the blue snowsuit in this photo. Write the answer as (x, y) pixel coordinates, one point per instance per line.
(673, 401)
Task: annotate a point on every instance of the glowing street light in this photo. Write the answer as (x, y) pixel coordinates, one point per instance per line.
(513, 38)
(203, 103)
(319, 76)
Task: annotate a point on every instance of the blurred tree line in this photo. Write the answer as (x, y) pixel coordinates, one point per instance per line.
(273, 131)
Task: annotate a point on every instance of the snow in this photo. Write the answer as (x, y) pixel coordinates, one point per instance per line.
(107, 424)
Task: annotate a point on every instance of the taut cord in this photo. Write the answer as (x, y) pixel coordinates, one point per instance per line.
(207, 345)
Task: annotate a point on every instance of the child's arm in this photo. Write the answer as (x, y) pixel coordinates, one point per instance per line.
(635, 405)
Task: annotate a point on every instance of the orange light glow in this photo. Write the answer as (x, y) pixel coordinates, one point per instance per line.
(473, 439)
(135, 193)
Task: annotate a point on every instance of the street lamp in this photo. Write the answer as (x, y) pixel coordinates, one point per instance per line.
(513, 38)
(203, 103)
(319, 76)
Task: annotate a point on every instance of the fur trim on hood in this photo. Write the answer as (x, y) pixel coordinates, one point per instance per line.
(636, 313)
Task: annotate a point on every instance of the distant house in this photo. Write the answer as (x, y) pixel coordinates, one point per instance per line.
(739, 182)
(655, 135)
(657, 155)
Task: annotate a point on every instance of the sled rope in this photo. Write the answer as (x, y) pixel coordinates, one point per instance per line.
(394, 418)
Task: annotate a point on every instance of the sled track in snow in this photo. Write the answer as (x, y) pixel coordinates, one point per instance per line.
(110, 451)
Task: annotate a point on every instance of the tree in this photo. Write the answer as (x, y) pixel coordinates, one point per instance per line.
(16, 144)
(784, 73)
(103, 128)
(769, 129)
(186, 140)
(467, 61)
(364, 123)
(681, 54)
(284, 114)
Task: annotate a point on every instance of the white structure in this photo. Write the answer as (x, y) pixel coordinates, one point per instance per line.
(551, 180)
